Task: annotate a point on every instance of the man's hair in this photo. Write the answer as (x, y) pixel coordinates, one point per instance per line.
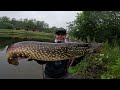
(61, 31)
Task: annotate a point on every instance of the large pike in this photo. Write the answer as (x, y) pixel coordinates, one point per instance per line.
(45, 51)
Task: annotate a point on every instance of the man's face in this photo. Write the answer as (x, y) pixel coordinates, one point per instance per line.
(60, 37)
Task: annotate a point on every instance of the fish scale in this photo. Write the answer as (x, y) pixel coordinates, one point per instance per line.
(45, 51)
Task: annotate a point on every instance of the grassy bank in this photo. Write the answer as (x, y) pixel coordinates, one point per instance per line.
(105, 65)
(8, 37)
(5, 33)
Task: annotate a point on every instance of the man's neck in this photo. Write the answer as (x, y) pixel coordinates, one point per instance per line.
(60, 41)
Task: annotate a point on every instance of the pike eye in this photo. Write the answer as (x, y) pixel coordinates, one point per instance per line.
(10, 58)
(18, 55)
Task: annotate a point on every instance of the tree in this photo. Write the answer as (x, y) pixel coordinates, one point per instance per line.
(101, 25)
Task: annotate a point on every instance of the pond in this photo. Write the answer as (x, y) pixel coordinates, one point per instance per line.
(25, 69)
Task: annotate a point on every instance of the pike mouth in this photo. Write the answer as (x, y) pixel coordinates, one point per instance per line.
(13, 61)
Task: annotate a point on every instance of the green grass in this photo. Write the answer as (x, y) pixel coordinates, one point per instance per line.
(105, 65)
(25, 34)
(8, 36)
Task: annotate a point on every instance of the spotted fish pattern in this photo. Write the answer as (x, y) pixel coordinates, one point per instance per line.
(46, 51)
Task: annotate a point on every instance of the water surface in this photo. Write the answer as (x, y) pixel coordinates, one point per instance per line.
(25, 69)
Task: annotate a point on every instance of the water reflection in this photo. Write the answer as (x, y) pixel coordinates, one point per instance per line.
(25, 69)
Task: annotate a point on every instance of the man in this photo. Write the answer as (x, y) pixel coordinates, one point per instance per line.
(59, 69)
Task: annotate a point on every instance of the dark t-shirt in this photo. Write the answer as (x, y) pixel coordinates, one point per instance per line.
(57, 69)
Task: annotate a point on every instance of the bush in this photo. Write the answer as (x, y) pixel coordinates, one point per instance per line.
(105, 65)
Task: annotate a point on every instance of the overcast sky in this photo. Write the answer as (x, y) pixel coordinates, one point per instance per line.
(53, 18)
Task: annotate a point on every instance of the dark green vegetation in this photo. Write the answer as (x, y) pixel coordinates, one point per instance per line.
(103, 27)
(98, 26)
(105, 65)
(25, 24)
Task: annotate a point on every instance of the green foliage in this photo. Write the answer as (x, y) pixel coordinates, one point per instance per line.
(25, 24)
(98, 25)
(4, 25)
(25, 34)
(105, 65)
(113, 68)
